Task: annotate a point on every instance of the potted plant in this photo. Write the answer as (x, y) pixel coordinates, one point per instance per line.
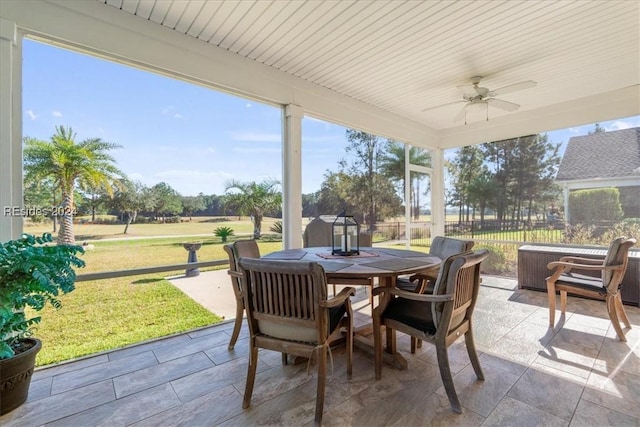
(32, 273)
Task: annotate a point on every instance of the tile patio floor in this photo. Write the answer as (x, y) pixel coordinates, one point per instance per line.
(577, 375)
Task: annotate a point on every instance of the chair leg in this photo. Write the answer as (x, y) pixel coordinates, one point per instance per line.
(350, 348)
(447, 379)
(613, 315)
(251, 376)
(563, 302)
(551, 293)
(377, 346)
(237, 325)
(285, 359)
(415, 343)
(473, 355)
(621, 312)
(334, 290)
(322, 379)
(391, 340)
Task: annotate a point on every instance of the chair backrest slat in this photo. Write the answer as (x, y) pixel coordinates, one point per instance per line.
(285, 290)
(235, 250)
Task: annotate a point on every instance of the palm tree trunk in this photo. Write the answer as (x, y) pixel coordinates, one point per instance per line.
(66, 236)
(257, 226)
(129, 219)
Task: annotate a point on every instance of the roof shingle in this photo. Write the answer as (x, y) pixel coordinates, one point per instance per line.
(601, 155)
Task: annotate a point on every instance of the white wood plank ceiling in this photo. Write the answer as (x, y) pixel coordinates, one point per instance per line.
(407, 56)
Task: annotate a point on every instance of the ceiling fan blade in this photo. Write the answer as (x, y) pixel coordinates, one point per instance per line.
(442, 105)
(514, 87)
(461, 114)
(503, 105)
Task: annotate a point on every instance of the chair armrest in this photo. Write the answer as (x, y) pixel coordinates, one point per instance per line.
(573, 266)
(430, 273)
(580, 260)
(339, 299)
(412, 295)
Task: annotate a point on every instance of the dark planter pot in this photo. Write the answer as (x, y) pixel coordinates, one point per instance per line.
(15, 377)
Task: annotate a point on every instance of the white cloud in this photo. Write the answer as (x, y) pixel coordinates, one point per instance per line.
(178, 116)
(248, 105)
(56, 114)
(31, 114)
(211, 150)
(619, 125)
(135, 176)
(167, 110)
(249, 136)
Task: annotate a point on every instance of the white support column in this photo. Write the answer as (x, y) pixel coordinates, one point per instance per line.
(407, 194)
(567, 214)
(292, 177)
(437, 193)
(10, 132)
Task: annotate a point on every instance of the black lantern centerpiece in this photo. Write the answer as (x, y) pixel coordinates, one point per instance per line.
(344, 240)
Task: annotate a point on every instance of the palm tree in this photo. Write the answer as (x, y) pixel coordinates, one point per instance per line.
(392, 166)
(69, 163)
(255, 199)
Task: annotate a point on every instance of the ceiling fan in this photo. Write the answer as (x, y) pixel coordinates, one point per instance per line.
(474, 95)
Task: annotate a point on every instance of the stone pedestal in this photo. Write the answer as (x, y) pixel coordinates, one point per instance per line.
(192, 248)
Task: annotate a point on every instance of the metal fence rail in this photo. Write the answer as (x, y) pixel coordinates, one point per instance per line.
(503, 236)
(148, 270)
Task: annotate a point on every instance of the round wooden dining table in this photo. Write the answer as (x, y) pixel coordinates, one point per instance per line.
(385, 264)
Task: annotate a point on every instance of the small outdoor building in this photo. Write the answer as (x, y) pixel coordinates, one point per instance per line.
(601, 160)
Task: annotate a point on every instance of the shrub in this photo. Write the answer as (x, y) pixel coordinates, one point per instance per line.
(601, 236)
(172, 220)
(223, 233)
(600, 204)
(496, 262)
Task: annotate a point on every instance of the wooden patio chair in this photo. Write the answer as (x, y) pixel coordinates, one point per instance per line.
(612, 268)
(235, 250)
(443, 248)
(423, 282)
(439, 318)
(288, 311)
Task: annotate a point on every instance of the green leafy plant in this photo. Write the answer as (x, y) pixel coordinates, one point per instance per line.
(223, 233)
(32, 273)
(276, 227)
(496, 262)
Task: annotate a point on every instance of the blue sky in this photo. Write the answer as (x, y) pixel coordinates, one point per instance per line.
(193, 138)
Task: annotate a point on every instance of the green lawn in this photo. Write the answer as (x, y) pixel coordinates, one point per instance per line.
(196, 226)
(107, 314)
